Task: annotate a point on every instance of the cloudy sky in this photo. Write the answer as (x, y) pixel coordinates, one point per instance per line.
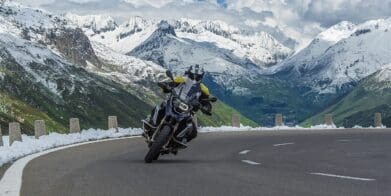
(300, 19)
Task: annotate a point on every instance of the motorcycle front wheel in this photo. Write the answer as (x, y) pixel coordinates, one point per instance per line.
(160, 140)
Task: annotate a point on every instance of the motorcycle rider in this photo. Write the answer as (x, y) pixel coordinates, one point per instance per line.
(193, 76)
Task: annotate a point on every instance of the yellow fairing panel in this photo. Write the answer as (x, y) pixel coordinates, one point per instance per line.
(204, 89)
(179, 79)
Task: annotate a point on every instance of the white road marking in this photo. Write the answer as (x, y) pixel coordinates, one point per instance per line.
(11, 182)
(284, 144)
(244, 152)
(348, 140)
(344, 140)
(250, 162)
(343, 177)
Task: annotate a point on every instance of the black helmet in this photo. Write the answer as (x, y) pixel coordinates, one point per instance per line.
(195, 73)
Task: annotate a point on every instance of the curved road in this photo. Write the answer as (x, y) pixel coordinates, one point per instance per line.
(336, 162)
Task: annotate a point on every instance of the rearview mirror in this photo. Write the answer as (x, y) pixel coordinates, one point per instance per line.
(213, 99)
(169, 74)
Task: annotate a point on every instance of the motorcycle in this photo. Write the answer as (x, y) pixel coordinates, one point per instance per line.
(181, 105)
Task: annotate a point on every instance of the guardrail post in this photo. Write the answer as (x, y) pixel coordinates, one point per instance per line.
(74, 125)
(235, 120)
(39, 128)
(1, 137)
(328, 119)
(15, 134)
(278, 120)
(113, 123)
(378, 120)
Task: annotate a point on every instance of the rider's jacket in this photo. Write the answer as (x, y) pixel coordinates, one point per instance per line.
(164, 85)
(179, 80)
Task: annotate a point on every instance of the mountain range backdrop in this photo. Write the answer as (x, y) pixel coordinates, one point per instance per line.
(55, 65)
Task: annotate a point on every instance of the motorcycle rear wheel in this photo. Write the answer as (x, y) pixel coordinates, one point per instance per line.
(160, 140)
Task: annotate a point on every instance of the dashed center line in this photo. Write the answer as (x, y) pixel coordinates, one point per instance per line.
(344, 140)
(343, 177)
(284, 144)
(349, 140)
(244, 152)
(250, 162)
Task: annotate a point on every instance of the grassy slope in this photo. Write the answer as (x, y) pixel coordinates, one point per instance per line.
(359, 106)
(222, 115)
(14, 110)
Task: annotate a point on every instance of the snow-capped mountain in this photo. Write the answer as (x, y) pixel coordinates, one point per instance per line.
(341, 56)
(260, 48)
(165, 48)
(122, 38)
(97, 23)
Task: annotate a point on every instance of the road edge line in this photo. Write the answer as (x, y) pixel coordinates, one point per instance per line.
(11, 182)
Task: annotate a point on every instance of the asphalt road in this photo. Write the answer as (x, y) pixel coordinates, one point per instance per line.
(282, 163)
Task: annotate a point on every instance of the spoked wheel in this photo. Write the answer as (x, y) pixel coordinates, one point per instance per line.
(160, 140)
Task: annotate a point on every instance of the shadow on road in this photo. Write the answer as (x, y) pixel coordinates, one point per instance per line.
(173, 161)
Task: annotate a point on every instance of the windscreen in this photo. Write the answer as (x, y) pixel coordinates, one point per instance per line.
(188, 91)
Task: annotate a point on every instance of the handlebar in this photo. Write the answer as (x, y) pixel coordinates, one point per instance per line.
(211, 99)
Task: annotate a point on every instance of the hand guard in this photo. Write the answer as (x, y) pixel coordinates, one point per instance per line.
(165, 86)
(206, 108)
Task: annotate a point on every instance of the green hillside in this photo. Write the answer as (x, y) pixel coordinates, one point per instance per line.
(222, 115)
(360, 105)
(14, 110)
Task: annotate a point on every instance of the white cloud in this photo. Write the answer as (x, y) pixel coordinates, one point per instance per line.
(154, 3)
(325, 12)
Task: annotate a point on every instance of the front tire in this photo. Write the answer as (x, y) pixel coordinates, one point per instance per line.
(161, 139)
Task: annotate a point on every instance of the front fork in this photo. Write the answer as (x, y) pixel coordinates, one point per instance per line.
(151, 139)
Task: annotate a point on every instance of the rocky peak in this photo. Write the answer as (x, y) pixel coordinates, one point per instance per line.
(74, 45)
(164, 28)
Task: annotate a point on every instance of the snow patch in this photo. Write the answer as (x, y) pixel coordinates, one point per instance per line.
(338, 32)
(98, 23)
(31, 145)
(385, 74)
(248, 128)
(341, 56)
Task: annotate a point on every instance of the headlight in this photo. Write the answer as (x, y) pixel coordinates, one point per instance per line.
(181, 106)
